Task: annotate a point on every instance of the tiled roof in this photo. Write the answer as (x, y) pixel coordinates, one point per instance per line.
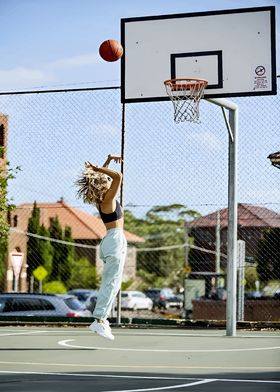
(83, 225)
(248, 216)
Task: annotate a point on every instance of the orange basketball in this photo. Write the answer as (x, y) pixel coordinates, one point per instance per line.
(111, 50)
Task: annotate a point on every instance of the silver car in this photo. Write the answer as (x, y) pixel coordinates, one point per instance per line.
(135, 300)
(27, 304)
(82, 294)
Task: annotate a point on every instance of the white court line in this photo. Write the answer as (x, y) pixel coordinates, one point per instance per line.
(144, 377)
(270, 368)
(20, 333)
(65, 343)
(206, 381)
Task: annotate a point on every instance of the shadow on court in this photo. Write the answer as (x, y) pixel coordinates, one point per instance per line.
(120, 382)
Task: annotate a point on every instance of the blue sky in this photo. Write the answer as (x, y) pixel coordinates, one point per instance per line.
(54, 44)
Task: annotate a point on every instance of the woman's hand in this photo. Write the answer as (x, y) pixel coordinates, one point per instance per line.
(94, 167)
(115, 158)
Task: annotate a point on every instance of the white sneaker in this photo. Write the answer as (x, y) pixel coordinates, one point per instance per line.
(102, 328)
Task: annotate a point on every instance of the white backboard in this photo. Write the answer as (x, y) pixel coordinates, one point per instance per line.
(233, 49)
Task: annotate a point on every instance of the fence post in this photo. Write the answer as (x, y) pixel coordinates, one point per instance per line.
(241, 277)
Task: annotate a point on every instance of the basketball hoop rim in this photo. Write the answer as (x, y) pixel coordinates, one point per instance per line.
(195, 83)
(185, 94)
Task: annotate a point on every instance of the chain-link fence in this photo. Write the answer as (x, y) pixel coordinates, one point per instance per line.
(175, 197)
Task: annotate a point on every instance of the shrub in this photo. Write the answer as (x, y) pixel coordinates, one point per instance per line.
(54, 287)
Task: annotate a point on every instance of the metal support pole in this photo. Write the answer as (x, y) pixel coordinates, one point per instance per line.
(121, 200)
(232, 211)
(187, 249)
(16, 284)
(232, 226)
(218, 244)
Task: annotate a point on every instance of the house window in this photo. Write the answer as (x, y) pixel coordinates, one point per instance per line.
(2, 140)
(15, 221)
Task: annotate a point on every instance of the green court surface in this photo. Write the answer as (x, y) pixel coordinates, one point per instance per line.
(74, 359)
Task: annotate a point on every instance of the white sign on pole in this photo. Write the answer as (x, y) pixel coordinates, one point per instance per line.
(16, 261)
(241, 278)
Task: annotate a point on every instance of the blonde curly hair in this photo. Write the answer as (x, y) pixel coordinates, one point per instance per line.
(92, 185)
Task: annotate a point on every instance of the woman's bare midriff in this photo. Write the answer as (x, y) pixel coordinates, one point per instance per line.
(118, 224)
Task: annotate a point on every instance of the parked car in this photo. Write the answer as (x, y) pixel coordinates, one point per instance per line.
(164, 298)
(91, 300)
(254, 295)
(276, 295)
(82, 294)
(135, 300)
(29, 304)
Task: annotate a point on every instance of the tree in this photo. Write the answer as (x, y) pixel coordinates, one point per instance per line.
(33, 248)
(163, 226)
(58, 249)
(83, 274)
(251, 277)
(6, 174)
(39, 251)
(68, 251)
(45, 249)
(268, 255)
(63, 254)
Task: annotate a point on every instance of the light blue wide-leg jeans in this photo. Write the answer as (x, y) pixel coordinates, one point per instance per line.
(112, 252)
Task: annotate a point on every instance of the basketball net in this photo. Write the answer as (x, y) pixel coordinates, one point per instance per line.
(185, 95)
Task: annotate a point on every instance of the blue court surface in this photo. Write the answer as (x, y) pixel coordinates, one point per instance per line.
(50, 359)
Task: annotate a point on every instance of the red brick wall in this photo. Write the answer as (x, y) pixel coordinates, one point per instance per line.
(254, 310)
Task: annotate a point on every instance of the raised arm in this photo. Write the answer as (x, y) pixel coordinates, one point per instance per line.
(105, 170)
(115, 175)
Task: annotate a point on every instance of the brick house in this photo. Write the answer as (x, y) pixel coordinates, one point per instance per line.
(86, 230)
(252, 221)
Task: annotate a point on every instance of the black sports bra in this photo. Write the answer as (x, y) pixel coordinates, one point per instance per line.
(113, 216)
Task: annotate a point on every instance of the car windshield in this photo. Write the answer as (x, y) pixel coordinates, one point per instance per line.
(2, 304)
(153, 293)
(139, 295)
(168, 293)
(81, 296)
(73, 303)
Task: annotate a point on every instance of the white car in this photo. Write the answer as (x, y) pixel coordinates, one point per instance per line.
(135, 300)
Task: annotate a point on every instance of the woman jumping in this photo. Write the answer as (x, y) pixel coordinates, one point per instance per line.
(100, 186)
